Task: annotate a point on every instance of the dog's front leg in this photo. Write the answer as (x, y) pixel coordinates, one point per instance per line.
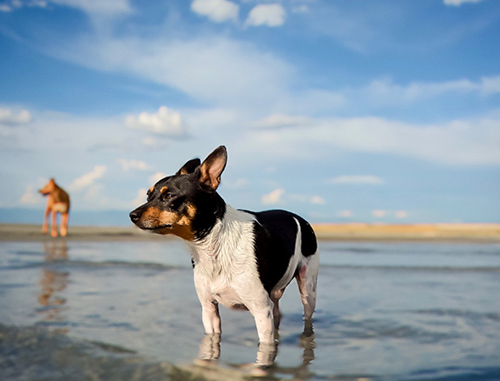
(53, 228)
(264, 320)
(210, 317)
(45, 226)
(210, 307)
(48, 210)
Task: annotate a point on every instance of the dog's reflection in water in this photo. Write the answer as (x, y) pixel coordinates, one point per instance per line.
(210, 350)
(210, 347)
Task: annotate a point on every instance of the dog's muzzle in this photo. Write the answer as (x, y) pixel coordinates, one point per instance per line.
(135, 215)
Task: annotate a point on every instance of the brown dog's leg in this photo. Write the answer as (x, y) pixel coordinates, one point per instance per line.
(53, 228)
(48, 210)
(64, 224)
(45, 225)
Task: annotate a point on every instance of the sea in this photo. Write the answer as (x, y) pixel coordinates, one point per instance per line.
(72, 310)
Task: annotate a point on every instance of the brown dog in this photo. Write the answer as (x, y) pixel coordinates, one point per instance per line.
(57, 202)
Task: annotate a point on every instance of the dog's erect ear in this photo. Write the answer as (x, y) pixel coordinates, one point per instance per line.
(189, 167)
(212, 167)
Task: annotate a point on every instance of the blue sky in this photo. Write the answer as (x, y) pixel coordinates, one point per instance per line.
(354, 111)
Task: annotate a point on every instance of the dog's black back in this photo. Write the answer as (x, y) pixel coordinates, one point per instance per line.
(275, 239)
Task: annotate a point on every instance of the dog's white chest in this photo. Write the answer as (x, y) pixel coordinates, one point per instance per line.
(228, 288)
(225, 264)
(227, 296)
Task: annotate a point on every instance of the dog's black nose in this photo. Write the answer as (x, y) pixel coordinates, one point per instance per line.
(135, 215)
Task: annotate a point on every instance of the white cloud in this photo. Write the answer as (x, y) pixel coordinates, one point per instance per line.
(375, 27)
(153, 179)
(300, 9)
(10, 6)
(140, 199)
(150, 142)
(87, 179)
(87, 134)
(379, 213)
(458, 142)
(401, 214)
(267, 14)
(155, 143)
(345, 213)
(238, 183)
(210, 69)
(317, 200)
(89, 6)
(216, 10)
(30, 196)
(357, 180)
(97, 6)
(490, 85)
(281, 121)
(164, 122)
(384, 90)
(295, 197)
(274, 197)
(457, 3)
(11, 117)
(128, 165)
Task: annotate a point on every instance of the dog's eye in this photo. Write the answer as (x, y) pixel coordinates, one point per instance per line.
(167, 196)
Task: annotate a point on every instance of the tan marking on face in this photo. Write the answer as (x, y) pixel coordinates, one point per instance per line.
(152, 189)
(191, 209)
(164, 189)
(183, 227)
(181, 224)
(150, 218)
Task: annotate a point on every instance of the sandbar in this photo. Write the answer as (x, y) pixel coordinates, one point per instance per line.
(457, 232)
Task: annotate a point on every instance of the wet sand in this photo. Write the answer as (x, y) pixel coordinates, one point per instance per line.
(27, 233)
(333, 232)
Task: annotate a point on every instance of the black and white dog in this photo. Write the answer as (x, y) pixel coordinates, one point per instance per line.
(241, 259)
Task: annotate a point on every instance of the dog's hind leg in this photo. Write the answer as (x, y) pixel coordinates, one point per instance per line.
(307, 279)
(275, 298)
(64, 224)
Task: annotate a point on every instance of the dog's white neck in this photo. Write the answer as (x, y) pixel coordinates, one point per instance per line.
(229, 237)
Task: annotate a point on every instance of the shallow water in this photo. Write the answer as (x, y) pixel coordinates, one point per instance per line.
(386, 311)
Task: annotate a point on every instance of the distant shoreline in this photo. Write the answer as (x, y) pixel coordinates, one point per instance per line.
(458, 232)
(486, 233)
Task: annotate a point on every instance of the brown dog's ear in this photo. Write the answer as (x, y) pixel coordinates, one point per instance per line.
(189, 167)
(212, 167)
